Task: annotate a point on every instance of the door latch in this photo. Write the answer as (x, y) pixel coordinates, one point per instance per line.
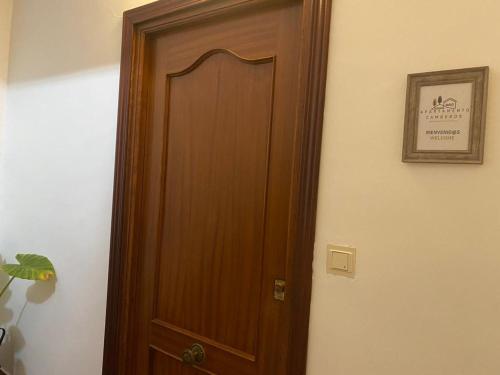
(279, 290)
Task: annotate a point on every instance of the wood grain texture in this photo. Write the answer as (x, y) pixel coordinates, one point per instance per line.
(314, 60)
(296, 32)
(162, 363)
(214, 197)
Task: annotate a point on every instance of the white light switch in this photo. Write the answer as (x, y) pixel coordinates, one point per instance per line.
(341, 260)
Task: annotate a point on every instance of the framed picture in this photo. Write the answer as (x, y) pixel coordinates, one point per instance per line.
(445, 116)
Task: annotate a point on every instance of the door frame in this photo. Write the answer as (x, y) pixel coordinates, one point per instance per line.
(159, 16)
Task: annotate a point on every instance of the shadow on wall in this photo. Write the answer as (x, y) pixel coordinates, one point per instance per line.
(6, 316)
(40, 291)
(20, 369)
(60, 37)
(14, 342)
(37, 293)
(17, 343)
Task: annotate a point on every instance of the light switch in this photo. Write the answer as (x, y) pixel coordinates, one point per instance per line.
(341, 260)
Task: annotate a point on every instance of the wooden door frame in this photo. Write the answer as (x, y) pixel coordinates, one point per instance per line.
(161, 15)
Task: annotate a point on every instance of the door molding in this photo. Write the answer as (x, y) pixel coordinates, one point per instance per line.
(163, 15)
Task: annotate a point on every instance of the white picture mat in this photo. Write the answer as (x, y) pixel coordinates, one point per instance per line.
(444, 117)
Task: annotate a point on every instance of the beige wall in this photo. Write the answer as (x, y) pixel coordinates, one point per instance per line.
(426, 299)
(5, 23)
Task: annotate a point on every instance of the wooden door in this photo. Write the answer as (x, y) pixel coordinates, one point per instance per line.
(216, 186)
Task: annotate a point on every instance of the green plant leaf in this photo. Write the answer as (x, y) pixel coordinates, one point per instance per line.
(31, 267)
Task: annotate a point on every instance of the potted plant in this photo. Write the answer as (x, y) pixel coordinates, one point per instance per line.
(30, 267)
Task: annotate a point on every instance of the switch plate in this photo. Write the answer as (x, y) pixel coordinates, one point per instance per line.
(341, 260)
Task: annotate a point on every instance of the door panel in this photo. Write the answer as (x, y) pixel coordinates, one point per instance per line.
(162, 364)
(218, 167)
(213, 200)
(210, 186)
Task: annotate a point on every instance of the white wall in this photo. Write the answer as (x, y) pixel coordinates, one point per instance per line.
(426, 299)
(5, 24)
(57, 175)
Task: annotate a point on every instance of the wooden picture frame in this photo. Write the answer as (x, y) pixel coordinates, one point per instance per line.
(164, 15)
(445, 116)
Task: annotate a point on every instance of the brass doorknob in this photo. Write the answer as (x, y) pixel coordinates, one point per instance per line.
(193, 356)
